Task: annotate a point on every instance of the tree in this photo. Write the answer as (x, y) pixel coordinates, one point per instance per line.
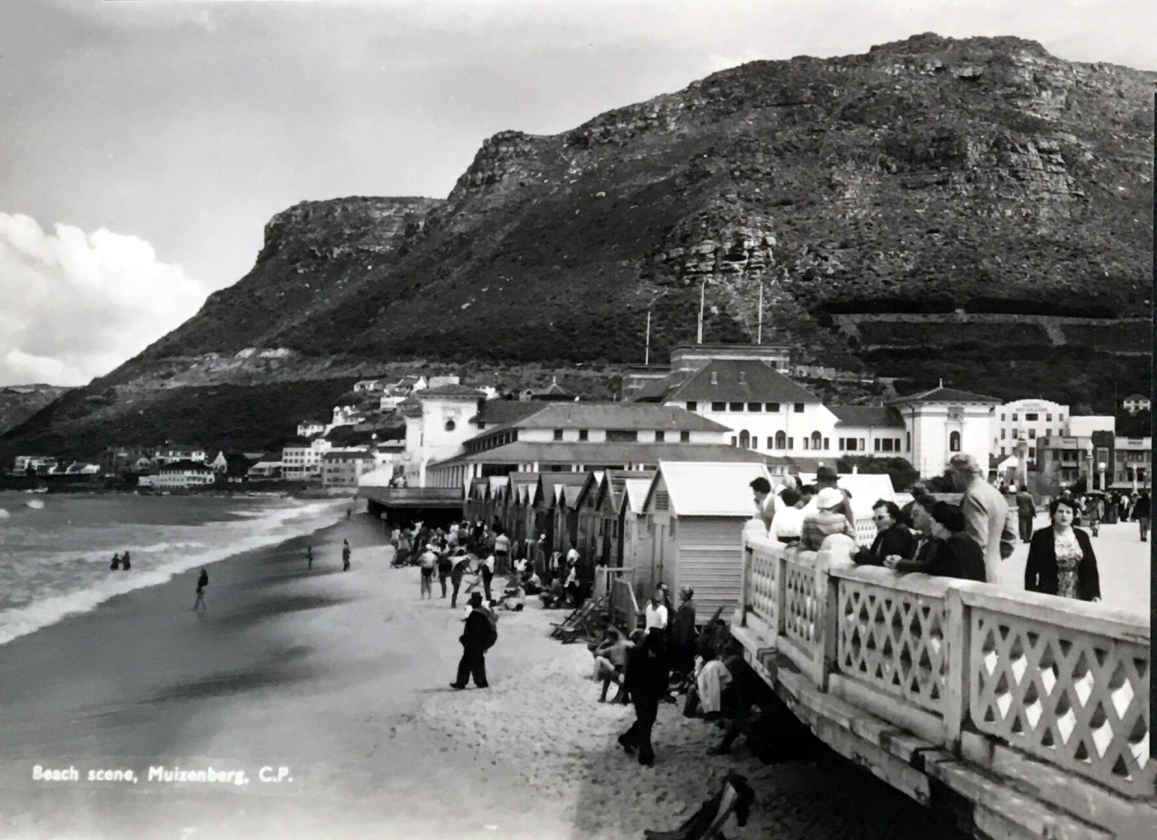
(898, 469)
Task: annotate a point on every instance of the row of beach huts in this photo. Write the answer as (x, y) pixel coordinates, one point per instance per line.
(680, 524)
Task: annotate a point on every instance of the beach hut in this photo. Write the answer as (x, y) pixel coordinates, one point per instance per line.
(696, 512)
(634, 535)
(477, 498)
(589, 535)
(546, 500)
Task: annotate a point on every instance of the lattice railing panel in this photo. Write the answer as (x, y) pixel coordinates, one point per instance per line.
(803, 608)
(865, 530)
(761, 584)
(1078, 700)
(894, 641)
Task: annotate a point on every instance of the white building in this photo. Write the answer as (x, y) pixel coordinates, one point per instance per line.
(1028, 420)
(180, 475)
(171, 454)
(1083, 425)
(265, 470)
(941, 422)
(343, 467)
(301, 460)
(366, 385)
(311, 428)
(1135, 402)
(36, 463)
(437, 423)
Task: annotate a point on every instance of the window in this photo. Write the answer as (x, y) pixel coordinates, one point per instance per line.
(1002, 433)
(841, 443)
(1048, 418)
(1032, 434)
(1015, 433)
(1002, 450)
(1014, 418)
(684, 437)
(954, 442)
(692, 405)
(862, 447)
(798, 408)
(1031, 416)
(735, 406)
(660, 436)
(1002, 417)
(1062, 418)
(718, 406)
(1032, 451)
(781, 440)
(744, 440)
(450, 425)
(714, 377)
(583, 434)
(827, 443)
(621, 435)
(791, 443)
(909, 434)
(558, 434)
(805, 442)
(877, 444)
(755, 406)
(770, 442)
(771, 406)
(896, 443)
(733, 440)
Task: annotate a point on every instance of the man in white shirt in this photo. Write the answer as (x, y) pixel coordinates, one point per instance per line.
(764, 500)
(788, 522)
(656, 612)
(572, 556)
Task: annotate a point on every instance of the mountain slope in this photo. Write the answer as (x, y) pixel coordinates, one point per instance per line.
(927, 175)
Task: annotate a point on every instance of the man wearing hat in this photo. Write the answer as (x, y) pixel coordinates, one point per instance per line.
(827, 519)
(475, 637)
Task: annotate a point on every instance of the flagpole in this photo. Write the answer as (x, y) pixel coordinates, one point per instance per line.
(702, 296)
(759, 329)
(647, 351)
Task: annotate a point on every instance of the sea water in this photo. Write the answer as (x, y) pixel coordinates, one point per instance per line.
(55, 549)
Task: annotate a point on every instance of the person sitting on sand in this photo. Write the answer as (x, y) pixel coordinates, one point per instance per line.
(476, 638)
(115, 565)
(611, 663)
(202, 582)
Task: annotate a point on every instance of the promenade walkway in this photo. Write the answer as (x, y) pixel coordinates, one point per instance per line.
(1023, 714)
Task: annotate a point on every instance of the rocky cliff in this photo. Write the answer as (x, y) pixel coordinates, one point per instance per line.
(930, 175)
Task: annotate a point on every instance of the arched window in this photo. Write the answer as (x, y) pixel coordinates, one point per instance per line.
(817, 440)
(450, 425)
(954, 442)
(744, 440)
(781, 440)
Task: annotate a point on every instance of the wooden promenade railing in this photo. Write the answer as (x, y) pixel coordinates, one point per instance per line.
(1049, 695)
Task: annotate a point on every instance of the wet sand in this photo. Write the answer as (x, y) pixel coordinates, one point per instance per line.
(342, 679)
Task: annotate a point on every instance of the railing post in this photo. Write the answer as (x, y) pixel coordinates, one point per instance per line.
(745, 586)
(827, 652)
(781, 593)
(957, 635)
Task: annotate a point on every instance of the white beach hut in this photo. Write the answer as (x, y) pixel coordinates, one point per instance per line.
(695, 513)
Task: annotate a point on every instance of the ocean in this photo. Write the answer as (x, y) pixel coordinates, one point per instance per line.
(55, 549)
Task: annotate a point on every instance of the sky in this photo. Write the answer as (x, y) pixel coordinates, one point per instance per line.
(144, 144)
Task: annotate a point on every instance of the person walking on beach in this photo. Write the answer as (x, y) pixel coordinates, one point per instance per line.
(1141, 514)
(477, 637)
(345, 555)
(446, 567)
(428, 561)
(115, 565)
(646, 681)
(309, 556)
(202, 582)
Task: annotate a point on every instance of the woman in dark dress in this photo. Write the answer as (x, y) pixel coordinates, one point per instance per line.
(892, 536)
(1061, 559)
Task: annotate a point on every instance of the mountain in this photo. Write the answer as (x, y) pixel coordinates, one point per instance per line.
(977, 209)
(19, 402)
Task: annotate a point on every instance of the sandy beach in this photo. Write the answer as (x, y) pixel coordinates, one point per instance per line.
(342, 679)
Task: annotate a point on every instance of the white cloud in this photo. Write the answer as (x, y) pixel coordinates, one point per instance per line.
(77, 304)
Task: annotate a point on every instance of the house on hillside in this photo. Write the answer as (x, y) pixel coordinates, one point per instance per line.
(1136, 402)
(311, 428)
(696, 512)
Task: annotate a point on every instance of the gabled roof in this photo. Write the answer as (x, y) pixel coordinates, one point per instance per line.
(479, 488)
(571, 494)
(449, 391)
(946, 395)
(708, 488)
(605, 454)
(867, 415)
(612, 415)
(550, 484)
(499, 412)
(614, 486)
(592, 485)
(738, 380)
(635, 492)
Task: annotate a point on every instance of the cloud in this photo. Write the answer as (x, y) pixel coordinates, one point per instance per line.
(78, 304)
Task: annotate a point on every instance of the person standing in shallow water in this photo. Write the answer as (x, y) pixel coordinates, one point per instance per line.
(345, 555)
(126, 563)
(115, 565)
(202, 583)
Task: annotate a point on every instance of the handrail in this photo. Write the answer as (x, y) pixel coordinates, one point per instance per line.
(1064, 681)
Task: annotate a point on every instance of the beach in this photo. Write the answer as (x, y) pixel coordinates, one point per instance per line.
(320, 700)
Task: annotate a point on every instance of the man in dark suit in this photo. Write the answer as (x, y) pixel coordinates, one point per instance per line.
(476, 638)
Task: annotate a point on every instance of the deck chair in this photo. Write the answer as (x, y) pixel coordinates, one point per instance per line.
(706, 823)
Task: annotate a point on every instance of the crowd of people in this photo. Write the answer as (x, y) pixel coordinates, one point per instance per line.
(968, 540)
